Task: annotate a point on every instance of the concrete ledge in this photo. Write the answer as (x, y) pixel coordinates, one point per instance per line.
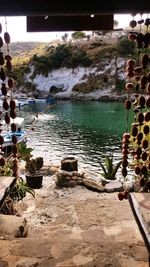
(140, 207)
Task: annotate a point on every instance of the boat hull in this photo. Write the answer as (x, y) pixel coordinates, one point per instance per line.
(7, 145)
(50, 100)
(21, 136)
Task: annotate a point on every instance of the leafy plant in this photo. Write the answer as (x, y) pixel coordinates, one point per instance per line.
(78, 35)
(61, 180)
(20, 190)
(62, 55)
(24, 152)
(34, 165)
(6, 170)
(124, 46)
(109, 170)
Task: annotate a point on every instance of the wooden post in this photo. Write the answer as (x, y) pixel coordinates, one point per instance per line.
(69, 164)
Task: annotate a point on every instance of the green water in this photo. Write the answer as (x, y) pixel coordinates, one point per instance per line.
(86, 130)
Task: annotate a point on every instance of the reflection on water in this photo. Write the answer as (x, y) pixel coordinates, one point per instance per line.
(87, 130)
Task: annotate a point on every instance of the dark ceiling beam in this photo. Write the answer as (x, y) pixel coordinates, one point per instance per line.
(69, 23)
(71, 7)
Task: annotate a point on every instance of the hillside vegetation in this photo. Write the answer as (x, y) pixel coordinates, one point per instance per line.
(46, 57)
(21, 48)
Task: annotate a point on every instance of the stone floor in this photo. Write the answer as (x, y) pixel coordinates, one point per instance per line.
(75, 227)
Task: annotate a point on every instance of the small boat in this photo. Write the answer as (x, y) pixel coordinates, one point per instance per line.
(21, 137)
(22, 101)
(40, 100)
(25, 101)
(31, 101)
(50, 100)
(19, 133)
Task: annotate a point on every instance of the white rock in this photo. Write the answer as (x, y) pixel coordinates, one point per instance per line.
(13, 226)
(113, 186)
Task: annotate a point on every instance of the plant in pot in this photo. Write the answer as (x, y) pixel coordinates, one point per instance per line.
(34, 176)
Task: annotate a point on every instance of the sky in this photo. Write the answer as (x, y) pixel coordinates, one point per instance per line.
(16, 26)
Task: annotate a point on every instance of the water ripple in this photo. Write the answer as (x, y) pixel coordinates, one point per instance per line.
(88, 131)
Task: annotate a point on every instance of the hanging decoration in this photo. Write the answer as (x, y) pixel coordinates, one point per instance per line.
(136, 139)
(8, 110)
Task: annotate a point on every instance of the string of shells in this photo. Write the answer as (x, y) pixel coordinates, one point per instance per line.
(8, 110)
(136, 139)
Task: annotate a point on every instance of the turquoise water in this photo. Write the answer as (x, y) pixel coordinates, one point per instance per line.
(86, 130)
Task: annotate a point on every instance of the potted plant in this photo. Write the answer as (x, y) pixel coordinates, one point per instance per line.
(34, 176)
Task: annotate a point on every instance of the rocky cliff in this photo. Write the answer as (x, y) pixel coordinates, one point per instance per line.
(95, 82)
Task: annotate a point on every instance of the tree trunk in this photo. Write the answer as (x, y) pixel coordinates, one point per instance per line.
(69, 164)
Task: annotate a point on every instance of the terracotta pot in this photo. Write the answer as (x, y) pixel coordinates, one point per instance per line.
(34, 181)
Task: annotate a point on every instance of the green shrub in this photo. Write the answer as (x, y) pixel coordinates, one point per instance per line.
(60, 56)
(109, 170)
(7, 169)
(120, 85)
(61, 180)
(24, 152)
(125, 47)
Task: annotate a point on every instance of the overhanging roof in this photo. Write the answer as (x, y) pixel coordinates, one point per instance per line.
(70, 15)
(69, 23)
(70, 7)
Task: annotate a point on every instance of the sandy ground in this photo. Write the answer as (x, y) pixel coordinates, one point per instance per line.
(73, 227)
